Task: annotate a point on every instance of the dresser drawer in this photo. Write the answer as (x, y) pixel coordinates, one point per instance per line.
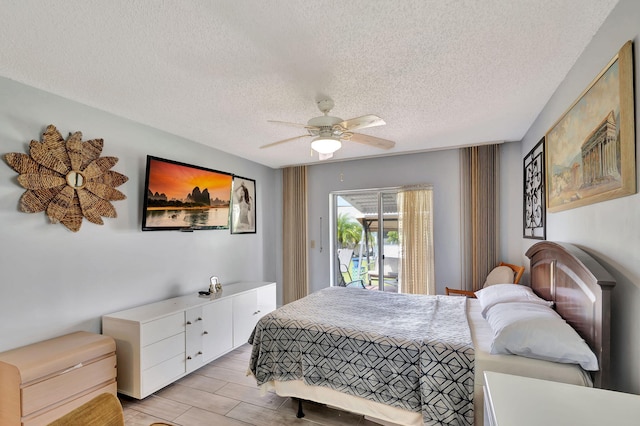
(162, 374)
(161, 351)
(162, 328)
(66, 384)
(42, 419)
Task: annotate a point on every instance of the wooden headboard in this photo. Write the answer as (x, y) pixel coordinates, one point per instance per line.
(581, 290)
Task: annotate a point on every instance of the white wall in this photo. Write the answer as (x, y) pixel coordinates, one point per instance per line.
(54, 281)
(511, 203)
(439, 168)
(610, 230)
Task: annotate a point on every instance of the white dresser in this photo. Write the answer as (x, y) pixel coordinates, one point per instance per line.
(514, 400)
(158, 343)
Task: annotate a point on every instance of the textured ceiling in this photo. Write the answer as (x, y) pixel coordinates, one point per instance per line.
(440, 73)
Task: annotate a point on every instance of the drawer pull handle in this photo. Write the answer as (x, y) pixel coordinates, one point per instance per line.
(199, 353)
(71, 368)
(199, 319)
(205, 332)
(189, 357)
(188, 322)
(256, 312)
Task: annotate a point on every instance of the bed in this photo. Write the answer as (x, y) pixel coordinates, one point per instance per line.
(320, 347)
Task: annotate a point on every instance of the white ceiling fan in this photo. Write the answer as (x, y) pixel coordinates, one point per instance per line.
(328, 132)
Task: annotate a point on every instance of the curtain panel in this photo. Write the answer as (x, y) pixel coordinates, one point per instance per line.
(480, 176)
(295, 275)
(415, 232)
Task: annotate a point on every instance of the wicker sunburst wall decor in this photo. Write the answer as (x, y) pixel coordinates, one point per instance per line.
(67, 179)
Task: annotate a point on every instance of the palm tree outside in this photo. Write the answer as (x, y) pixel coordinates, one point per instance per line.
(349, 231)
(349, 234)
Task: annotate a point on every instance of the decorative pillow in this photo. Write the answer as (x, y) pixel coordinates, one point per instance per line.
(502, 293)
(499, 275)
(537, 331)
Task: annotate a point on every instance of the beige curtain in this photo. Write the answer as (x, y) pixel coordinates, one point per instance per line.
(480, 176)
(415, 232)
(295, 275)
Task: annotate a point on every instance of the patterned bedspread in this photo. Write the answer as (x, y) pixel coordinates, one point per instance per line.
(409, 351)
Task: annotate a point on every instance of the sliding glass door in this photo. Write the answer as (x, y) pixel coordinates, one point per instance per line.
(365, 239)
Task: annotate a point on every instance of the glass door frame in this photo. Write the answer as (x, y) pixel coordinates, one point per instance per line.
(333, 234)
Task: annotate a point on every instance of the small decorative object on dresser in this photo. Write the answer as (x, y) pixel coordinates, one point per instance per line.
(67, 179)
(215, 286)
(214, 283)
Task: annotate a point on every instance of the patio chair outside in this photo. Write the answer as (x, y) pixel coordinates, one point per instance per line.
(344, 260)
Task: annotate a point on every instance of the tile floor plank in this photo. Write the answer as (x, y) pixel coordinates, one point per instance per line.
(199, 417)
(321, 414)
(264, 417)
(136, 418)
(233, 376)
(156, 406)
(197, 398)
(252, 395)
(204, 383)
(232, 363)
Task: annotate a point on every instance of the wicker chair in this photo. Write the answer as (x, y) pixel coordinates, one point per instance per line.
(104, 410)
(517, 274)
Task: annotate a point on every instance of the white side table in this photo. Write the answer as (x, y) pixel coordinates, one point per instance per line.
(514, 400)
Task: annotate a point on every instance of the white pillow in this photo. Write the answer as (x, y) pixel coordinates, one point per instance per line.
(502, 293)
(537, 331)
(499, 275)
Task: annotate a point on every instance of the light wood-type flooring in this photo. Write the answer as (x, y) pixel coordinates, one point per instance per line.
(220, 394)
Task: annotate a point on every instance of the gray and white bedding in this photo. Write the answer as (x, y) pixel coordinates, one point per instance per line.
(408, 351)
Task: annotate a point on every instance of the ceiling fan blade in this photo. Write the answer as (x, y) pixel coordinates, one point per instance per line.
(362, 122)
(373, 141)
(283, 141)
(298, 125)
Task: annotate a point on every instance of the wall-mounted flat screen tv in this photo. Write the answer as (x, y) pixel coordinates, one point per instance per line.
(184, 197)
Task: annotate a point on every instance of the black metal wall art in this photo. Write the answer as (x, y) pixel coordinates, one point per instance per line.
(534, 224)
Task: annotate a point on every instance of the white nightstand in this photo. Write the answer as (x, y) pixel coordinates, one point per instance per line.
(514, 400)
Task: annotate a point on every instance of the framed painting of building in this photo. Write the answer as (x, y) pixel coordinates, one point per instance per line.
(534, 210)
(590, 150)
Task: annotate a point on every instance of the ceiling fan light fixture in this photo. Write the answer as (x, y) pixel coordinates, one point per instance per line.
(328, 132)
(326, 144)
